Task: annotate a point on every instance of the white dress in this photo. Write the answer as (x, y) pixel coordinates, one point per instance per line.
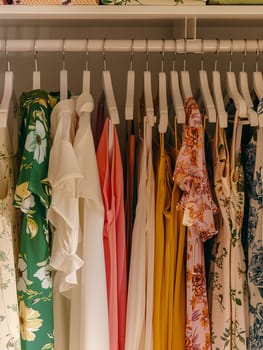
(64, 216)
(89, 328)
(9, 321)
(139, 332)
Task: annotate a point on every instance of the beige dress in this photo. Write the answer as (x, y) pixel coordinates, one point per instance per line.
(139, 332)
(9, 321)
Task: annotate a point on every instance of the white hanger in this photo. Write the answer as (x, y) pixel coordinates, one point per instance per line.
(85, 102)
(176, 94)
(232, 90)
(63, 77)
(8, 117)
(7, 94)
(185, 77)
(36, 72)
(163, 105)
(148, 97)
(217, 93)
(205, 91)
(244, 88)
(109, 94)
(129, 103)
(257, 83)
(86, 73)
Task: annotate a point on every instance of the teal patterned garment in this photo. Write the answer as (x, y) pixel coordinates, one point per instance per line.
(32, 196)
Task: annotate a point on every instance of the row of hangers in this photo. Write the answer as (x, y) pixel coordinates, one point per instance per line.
(180, 85)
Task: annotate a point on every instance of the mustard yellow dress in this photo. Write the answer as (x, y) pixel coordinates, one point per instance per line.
(169, 284)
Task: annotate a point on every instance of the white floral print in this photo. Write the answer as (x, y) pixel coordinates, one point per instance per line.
(36, 142)
(9, 320)
(44, 274)
(27, 204)
(23, 281)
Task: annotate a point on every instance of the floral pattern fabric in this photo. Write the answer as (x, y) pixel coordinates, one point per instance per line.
(227, 278)
(32, 196)
(255, 247)
(199, 208)
(9, 321)
(219, 274)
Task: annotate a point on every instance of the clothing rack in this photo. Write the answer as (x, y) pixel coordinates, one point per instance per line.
(107, 45)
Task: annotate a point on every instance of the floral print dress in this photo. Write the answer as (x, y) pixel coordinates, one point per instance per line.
(255, 247)
(227, 278)
(9, 320)
(32, 196)
(219, 274)
(199, 208)
(238, 282)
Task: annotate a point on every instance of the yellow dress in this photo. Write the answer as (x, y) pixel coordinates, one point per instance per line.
(175, 266)
(169, 283)
(159, 302)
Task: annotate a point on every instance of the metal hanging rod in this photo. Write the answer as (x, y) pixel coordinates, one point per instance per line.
(108, 45)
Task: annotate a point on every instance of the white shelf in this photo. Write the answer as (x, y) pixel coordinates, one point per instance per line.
(94, 13)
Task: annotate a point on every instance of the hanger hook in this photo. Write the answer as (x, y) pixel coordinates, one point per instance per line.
(185, 52)
(147, 56)
(202, 53)
(7, 57)
(63, 55)
(217, 53)
(132, 54)
(257, 55)
(87, 55)
(103, 54)
(175, 52)
(231, 54)
(244, 56)
(35, 56)
(162, 61)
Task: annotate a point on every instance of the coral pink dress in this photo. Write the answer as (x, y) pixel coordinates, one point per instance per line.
(111, 180)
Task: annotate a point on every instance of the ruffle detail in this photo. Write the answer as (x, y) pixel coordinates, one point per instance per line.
(67, 265)
(191, 175)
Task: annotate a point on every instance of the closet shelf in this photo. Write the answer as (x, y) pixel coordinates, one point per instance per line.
(95, 13)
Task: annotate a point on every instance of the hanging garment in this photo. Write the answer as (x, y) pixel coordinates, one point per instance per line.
(219, 276)
(238, 281)
(99, 123)
(162, 241)
(89, 307)
(111, 181)
(255, 248)
(130, 192)
(9, 320)
(63, 214)
(169, 302)
(139, 332)
(175, 264)
(191, 175)
(248, 159)
(32, 196)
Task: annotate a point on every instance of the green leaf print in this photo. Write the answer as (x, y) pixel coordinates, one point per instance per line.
(238, 301)
(226, 337)
(48, 347)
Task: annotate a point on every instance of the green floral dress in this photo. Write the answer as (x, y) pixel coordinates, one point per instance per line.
(32, 196)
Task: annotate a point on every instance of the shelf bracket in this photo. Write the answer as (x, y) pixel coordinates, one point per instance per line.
(186, 29)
